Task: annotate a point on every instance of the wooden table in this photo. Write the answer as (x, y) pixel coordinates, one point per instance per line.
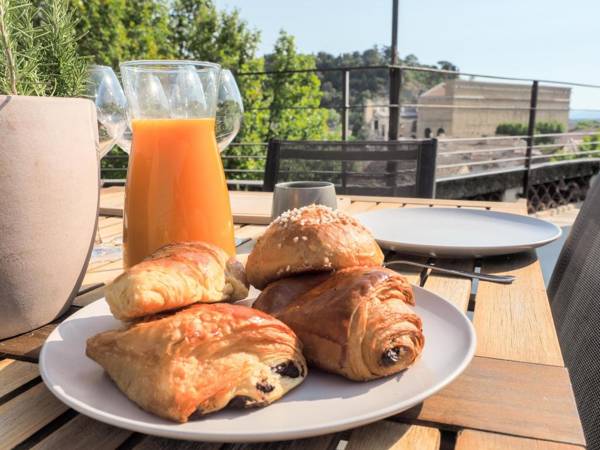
(516, 393)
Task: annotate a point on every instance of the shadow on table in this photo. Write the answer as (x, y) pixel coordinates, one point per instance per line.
(504, 263)
(548, 255)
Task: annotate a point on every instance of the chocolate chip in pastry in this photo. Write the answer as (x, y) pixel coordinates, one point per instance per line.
(357, 322)
(177, 275)
(309, 239)
(201, 359)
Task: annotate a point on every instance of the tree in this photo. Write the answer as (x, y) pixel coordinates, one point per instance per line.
(283, 106)
(256, 118)
(294, 111)
(101, 29)
(112, 31)
(148, 30)
(201, 32)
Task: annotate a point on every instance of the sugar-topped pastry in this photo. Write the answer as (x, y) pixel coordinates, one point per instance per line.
(310, 239)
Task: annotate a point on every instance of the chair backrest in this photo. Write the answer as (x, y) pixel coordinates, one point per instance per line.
(574, 292)
(388, 168)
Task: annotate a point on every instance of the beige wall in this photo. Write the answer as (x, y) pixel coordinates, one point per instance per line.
(470, 108)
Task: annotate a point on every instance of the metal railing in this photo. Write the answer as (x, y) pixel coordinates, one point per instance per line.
(457, 155)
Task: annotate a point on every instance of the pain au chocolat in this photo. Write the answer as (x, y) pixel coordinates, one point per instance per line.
(201, 359)
(177, 275)
(310, 239)
(357, 322)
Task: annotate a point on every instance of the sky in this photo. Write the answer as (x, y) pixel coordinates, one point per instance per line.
(546, 39)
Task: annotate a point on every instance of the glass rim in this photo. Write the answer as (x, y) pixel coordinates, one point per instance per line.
(304, 185)
(166, 65)
(100, 66)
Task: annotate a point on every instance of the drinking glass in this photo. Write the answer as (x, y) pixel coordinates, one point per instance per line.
(230, 110)
(124, 142)
(296, 194)
(105, 91)
(176, 188)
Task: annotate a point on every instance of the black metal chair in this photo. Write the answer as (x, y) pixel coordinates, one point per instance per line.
(384, 168)
(574, 292)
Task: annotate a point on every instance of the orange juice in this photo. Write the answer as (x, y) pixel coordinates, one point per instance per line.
(176, 188)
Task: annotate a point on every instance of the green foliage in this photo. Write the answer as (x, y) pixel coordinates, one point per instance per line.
(20, 49)
(511, 129)
(64, 71)
(254, 126)
(547, 128)
(521, 129)
(283, 106)
(200, 32)
(118, 161)
(102, 30)
(38, 44)
(300, 91)
(148, 30)
(588, 124)
(256, 103)
(591, 143)
(117, 30)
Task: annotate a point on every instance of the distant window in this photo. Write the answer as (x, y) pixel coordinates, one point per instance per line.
(376, 124)
(382, 129)
(427, 133)
(440, 131)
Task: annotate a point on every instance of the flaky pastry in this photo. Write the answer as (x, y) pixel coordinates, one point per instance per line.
(177, 275)
(201, 359)
(357, 322)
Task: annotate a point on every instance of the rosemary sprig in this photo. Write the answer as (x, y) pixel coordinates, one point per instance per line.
(11, 71)
(39, 48)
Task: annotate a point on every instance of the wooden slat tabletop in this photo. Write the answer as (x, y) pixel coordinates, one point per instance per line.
(515, 394)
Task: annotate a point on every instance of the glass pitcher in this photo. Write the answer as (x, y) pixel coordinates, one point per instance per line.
(176, 188)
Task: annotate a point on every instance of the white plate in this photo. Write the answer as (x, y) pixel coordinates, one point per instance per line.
(324, 403)
(457, 231)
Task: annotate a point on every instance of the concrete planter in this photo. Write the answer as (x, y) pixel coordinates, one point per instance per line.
(49, 192)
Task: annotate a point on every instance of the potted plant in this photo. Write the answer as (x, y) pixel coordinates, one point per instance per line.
(49, 183)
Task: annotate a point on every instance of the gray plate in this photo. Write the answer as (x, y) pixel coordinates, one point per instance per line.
(457, 232)
(324, 403)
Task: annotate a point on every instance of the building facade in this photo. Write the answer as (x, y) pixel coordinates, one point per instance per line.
(463, 108)
(376, 116)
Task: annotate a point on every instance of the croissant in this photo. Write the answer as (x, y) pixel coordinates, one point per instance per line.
(357, 322)
(200, 359)
(310, 239)
(177, 275)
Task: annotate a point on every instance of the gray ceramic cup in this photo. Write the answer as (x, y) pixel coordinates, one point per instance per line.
(295, 194)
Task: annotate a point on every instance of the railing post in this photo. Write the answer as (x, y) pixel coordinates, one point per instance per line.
(394, 120)
(345, 120)
(271, 166)
(395, 87)
(345, 103)
(530, 138)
